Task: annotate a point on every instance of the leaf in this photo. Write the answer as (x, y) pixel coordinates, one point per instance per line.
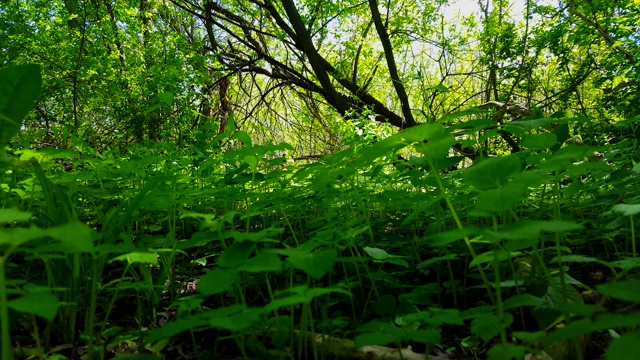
(625, 347)
(448, 237)
(316, 265)
(488, 326)
(40, 304)
(263, 262)
(376, 254)
(244, 138)
(73, 237)
(437, 259)
(20, 87)
(382, 256)
(517, 301)
(501, 199)
(376, 338)
(626, 209)
(8, 216)
(166, 97)
(587, 326)
(174, 328)
(493, 172)
(506, 352)
(300, 295)
(406, 137)
(627, 290)
(235, 322)
(539, 141)
(236, 254)
(450, 117)
(440, 88)
(385, 305)
(150, 258)
(217, 281)
(529, 336)
(533, 229)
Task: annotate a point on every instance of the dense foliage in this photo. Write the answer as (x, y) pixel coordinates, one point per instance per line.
(319, 179)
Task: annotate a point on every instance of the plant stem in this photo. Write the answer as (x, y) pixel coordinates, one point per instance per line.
(5, 337)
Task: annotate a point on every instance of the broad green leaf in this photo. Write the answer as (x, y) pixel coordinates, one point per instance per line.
(316, 265)
(166, 97)
(174, 328)
(628, 290)
(20, 88)
(539, 141)
(533, 229)
(383, 256)
(236, 254)
(600, 323)
(379, 333)
(627, 209)
(625, 347)
(217, 281)
(244, 137)
(196, 322)
(73, 237)
(517, 301)
(626, 264)
(492, 173)
(501, 199)
(406, 137)
(529, 336)
(450, 117)
(506, 352)
(440, 88)
(40, 304)
(423, 336)
(436, 260)
(150, 258)
(377, 254)
(267, 235)
(8, 216)
(251, 160)
(235, 322)
(385, 305)
(448, 237)
(435, 317)
(532, 123)
(437, 148)
(300, 295)
(488, 326)
(263, 262)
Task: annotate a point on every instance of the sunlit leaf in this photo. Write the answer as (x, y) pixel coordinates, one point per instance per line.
(626, 209)
(138, 258)
(8, 216)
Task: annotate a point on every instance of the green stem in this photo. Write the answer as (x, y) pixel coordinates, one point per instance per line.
(5, 336)
(467, 241)
(633, 237)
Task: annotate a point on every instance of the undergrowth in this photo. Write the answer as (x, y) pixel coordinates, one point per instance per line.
(202, 253)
